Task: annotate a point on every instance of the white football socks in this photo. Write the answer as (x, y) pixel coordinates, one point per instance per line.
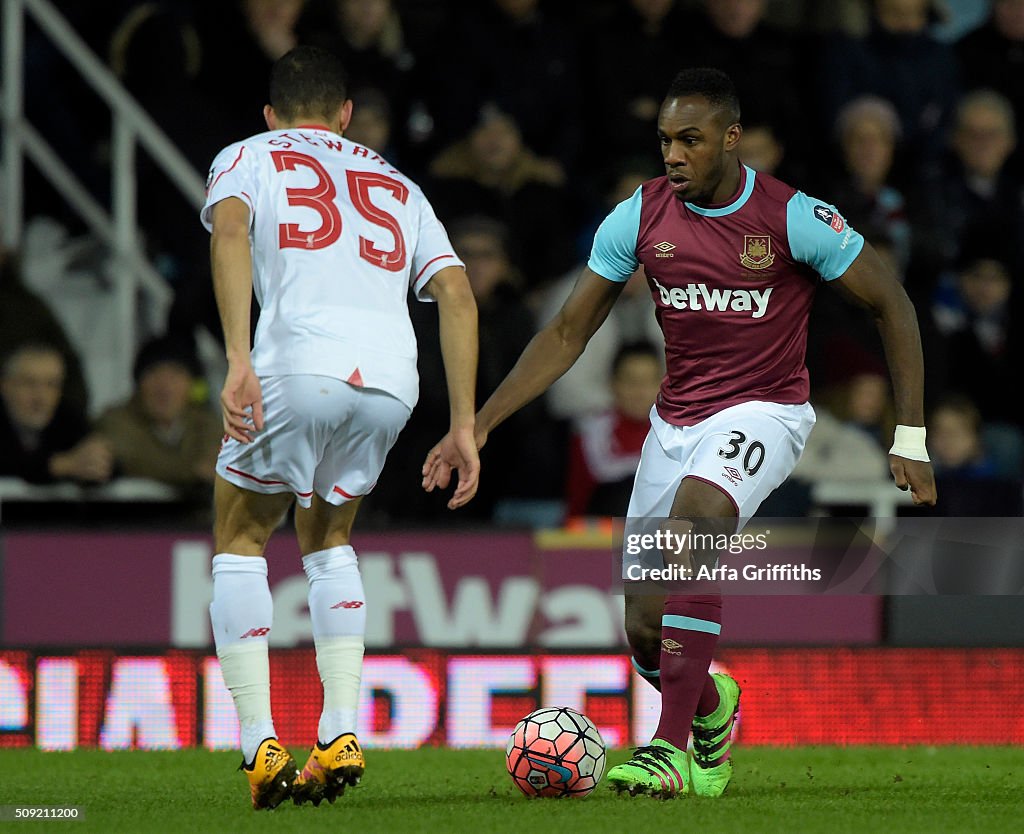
(337, 608)
(241, 614)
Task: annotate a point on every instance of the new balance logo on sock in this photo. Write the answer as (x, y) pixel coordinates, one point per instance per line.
(256, 632)
(672, 646)
(348, 603)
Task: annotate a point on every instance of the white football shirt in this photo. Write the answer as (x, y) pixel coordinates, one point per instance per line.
(338, 238)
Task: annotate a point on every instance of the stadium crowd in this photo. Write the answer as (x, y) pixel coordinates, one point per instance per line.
(525, 121)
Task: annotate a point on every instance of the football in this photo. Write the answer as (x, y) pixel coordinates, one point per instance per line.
(555, 751)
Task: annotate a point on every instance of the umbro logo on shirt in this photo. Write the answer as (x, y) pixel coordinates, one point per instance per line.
(665, 249)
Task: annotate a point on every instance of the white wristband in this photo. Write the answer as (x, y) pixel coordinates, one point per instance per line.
(909, 443)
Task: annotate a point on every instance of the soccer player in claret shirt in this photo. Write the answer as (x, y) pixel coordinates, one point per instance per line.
(733, 258)
(331, 238)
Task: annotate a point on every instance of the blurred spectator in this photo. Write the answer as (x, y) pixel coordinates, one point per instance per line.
(605, 447)
(25, 317)
(900, 61)
(527, 456)
(516, 54)
(61, 105)
(525, 461)
(761, 148)
(977, 187)
(371, 122)
(43, 439)
(161, 433)
(241, 39)
(976, 310)
(868, 131)
(204, 79)
(844, 339)
(977, 471)
(584, 388)
(491, 172)
(955, 440)
(855, 417)
(644, 38)
(762, 60)
(837, 451)
(992, 56)
(157, 54)
(619, 182)
(497, 285)
(958, 17)
(858, 393)
(367, 36)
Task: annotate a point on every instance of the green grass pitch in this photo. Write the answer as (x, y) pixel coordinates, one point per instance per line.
(805, 789)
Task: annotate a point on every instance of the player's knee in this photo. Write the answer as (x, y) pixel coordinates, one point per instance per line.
(644, 636)
(248, 538)
(323, 526)
(315, 542)
(703, 536)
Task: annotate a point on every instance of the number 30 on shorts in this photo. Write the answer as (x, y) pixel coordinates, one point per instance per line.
(752, 452)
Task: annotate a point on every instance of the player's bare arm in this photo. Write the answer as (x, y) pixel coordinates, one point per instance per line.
(548, 355)
(552, 351)
(870, 283)
(231, 258)
(457, 315)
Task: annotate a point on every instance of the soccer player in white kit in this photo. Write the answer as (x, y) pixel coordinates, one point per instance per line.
(331, 238)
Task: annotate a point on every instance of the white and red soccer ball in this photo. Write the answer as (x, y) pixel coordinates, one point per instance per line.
(555, 751)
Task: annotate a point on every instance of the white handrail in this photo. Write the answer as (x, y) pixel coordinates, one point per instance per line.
(95, 216)
(118, 226)
(163, 151)
(13, 99)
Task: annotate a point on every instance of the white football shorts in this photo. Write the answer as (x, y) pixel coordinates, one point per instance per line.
(746, 450)
(319, 435)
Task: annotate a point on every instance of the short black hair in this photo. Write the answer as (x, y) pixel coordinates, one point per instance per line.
(30, 346)
(307, 81)
(712, 84)
(173, 349)
(628, 350)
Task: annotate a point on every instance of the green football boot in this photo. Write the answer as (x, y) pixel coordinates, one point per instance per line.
(659, 770)
(711, 767)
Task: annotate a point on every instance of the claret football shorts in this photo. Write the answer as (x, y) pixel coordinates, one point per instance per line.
(746, 450)
(319, 435)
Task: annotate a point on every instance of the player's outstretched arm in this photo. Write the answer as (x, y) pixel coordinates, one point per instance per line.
(548, 355)
(231, 259)
(457, 317)
(869, 282)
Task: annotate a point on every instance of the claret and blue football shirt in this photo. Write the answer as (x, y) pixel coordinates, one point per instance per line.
(732, 286)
